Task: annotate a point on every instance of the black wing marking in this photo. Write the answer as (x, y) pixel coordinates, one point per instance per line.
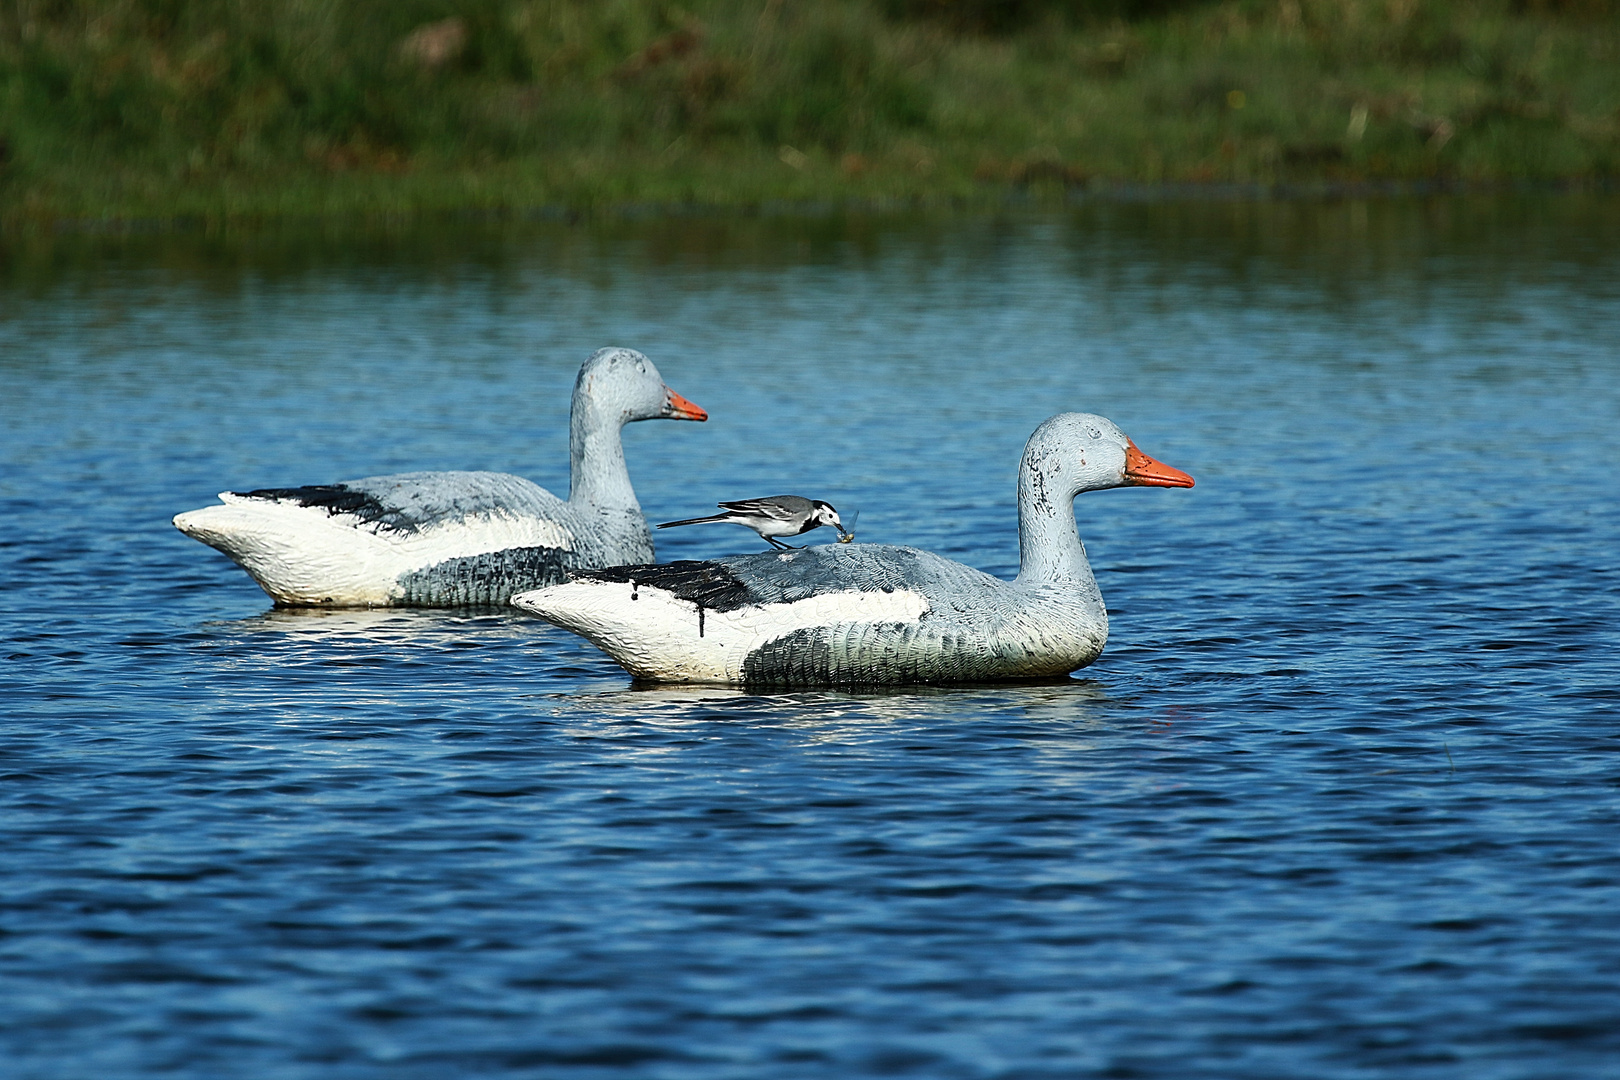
(337, 499)
(706, 584)
(773, 577)
(411, 502)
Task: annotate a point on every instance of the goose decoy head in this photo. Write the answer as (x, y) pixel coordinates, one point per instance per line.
(624, 382)
(1075, 452)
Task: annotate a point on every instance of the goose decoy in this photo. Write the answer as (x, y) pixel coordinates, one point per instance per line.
(448, 539)
(773, 516)
(872, 614)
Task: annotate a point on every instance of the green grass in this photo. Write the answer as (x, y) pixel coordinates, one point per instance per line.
(235, 109)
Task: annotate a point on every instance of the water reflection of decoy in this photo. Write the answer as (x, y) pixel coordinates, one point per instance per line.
(771, 517)
(870, 614)
(445, 539)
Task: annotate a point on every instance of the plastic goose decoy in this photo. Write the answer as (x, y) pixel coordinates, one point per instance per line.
(870, 614)
(445, 539)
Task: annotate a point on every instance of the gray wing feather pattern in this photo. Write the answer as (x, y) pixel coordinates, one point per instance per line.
(776, 507)
(408, 502)
(785, 577)
(775, 578)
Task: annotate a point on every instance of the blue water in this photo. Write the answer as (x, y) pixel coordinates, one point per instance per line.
(1340, 799)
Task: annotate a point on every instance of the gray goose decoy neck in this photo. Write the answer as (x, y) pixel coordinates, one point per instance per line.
(870, 614)
(772, 517)
(446, 539)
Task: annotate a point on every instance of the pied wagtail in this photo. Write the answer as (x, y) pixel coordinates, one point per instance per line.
(777, 515)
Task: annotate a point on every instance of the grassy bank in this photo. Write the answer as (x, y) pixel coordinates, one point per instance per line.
(158, 108)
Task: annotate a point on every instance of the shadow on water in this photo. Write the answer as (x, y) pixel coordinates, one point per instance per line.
(1069, 701)
(403, 623)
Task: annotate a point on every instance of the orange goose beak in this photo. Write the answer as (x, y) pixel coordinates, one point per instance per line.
(678, 408)
(1144, 471)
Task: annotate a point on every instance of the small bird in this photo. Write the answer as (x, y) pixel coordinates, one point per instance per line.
(778, 515)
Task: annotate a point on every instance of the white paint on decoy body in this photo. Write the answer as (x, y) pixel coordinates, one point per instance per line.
(439, 539)
(869, 614)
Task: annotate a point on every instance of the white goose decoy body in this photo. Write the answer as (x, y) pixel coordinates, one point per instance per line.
(447, 539)
(869, 614)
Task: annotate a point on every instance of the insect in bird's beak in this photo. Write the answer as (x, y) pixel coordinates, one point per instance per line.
(847, 535)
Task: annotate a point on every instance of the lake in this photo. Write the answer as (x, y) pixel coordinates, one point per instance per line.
(1340, 799)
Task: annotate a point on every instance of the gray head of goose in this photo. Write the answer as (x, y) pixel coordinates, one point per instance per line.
(620, 385)
(615, 386)
(1075, 452)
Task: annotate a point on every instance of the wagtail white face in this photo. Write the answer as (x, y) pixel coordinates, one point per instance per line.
(771, 517)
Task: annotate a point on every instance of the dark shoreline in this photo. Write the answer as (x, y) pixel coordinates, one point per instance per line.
(990, 203)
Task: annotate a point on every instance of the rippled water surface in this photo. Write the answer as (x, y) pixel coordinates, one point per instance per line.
(1341, 798)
